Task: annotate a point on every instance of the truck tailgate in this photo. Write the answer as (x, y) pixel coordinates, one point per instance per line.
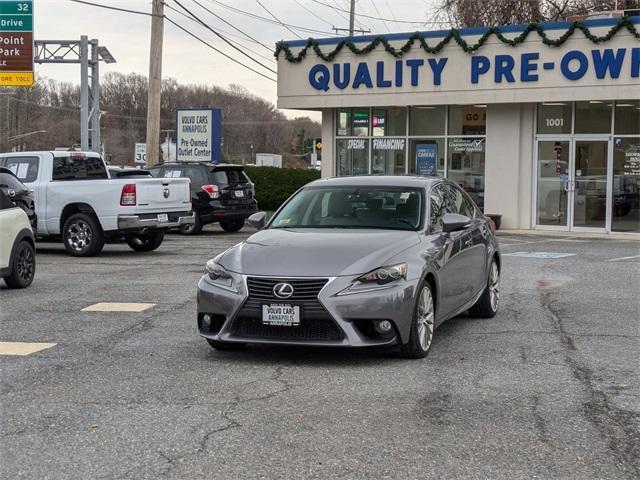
(162, 195)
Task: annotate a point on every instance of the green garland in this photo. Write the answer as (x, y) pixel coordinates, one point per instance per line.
(453, 34)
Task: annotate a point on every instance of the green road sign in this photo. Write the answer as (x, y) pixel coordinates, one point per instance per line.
(16, 8)
(16, 23)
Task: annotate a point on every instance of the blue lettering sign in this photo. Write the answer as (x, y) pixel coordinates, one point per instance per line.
(528, 66)
(635, 62)
(504, 68)
(479, 66)
(436, 67)
(603, 61)
(319, 77)
(380, 81)
(346, 75)
(362, 76)
(426, 159)
(583, 65)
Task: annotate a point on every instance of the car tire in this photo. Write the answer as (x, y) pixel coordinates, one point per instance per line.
(218, 345)
(422, 324)
(232, 225)
(82, 235)
(487, 304)
(23, 267)
(192, 229)
(145, 242)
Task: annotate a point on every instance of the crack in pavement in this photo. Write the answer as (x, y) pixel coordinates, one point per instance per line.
(615, 425)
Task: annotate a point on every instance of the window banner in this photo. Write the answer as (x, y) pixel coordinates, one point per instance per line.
(426, 155)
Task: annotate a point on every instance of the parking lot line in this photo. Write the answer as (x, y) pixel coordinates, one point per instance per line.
(118, 307)
(23, 348)
(619, 259)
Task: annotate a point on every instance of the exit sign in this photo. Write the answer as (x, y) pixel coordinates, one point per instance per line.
(16, 43)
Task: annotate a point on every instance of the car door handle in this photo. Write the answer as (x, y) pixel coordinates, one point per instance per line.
(468, 242)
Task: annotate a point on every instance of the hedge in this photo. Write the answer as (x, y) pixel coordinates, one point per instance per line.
(275, 185)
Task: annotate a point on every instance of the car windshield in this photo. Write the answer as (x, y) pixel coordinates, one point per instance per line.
(352, 207)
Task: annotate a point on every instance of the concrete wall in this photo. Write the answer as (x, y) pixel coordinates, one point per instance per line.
(509, 163)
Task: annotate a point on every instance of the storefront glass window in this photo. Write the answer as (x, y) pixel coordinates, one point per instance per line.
(343, 121)
(352, 156)
(627, 117)
(388, 121)
(429, 148)
(626, 185)
(467, 119)
(554, 117)
(387, 156)
(593, 117)
(427, 120)
(466, 166)
(359, 122)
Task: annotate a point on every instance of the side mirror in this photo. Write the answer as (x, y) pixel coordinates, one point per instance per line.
(258, 220)
(453, 222)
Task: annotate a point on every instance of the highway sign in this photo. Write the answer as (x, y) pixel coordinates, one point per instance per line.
(16, 43)
(140, 154)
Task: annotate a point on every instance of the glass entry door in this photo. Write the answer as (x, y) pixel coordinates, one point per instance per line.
(588, 185)
(572, 184)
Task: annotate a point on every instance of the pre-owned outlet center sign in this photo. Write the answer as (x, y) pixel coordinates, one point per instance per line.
(16, 43)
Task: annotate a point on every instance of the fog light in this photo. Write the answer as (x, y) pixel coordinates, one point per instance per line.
(384, 326)
(206, 320)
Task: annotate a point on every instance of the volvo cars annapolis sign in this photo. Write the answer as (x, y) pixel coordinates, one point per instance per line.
(198, 135)
(496, 73)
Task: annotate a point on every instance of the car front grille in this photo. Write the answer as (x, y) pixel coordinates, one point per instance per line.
(316, 323)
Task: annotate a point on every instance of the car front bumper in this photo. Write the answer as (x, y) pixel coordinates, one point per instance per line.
(138, 222)
(354, 314)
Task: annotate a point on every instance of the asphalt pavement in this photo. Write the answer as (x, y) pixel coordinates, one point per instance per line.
(547, 389)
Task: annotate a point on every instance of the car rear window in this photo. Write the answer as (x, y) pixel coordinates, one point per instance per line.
(79, 168)
(25, 168)
(9, 181)
(229, 176)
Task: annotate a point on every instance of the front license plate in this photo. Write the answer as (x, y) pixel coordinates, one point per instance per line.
(281, 315)
(163, 217)
(239, 194)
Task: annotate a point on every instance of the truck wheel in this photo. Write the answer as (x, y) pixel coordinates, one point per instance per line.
(23, 266)
(192, 229)
(82, 235)
(232, 225)
(145, 242)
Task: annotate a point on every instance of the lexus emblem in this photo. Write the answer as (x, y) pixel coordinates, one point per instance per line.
(165, 193)
(283, 290)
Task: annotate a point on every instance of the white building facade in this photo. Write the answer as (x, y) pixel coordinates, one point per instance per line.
(544, 133)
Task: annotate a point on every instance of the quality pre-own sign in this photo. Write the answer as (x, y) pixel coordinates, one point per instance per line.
(198, 135)
(16, 43)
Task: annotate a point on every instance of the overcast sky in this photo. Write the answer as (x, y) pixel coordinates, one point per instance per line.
(189, 61)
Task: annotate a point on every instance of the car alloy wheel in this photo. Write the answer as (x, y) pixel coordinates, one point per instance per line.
(425, 318)
(25, 264)
(494, 286)
(79, 235)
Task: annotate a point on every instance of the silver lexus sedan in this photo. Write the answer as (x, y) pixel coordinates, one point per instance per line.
(354, 262)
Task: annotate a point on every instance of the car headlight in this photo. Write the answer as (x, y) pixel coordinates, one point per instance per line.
(384, 275)
(216, 271)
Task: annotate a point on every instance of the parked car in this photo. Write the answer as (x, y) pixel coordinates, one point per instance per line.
(219, 193)
(75, 199)
(120, 172)
(19, 194)
(354, 262)
(17, 245)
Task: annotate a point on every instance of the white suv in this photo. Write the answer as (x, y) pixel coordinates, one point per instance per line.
(17, 246)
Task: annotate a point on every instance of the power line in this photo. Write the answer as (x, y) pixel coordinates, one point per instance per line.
(222, 37)
(268, 20)
(378, 12)
(372, 17)
(314, 14)
(270, 49)
(277, 19)
(109, 7)
(217, 50)
(240, 39)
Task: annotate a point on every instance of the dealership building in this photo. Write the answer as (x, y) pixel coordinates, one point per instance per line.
(543, 130)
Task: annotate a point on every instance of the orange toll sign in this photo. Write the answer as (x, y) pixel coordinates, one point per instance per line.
(16, 43)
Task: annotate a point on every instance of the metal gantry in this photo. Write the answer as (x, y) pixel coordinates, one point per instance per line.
(87, 53)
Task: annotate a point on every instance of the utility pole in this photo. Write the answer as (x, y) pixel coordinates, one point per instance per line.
(155, 83)
(352, 15)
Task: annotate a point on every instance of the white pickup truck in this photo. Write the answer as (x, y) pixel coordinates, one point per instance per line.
(75, 199)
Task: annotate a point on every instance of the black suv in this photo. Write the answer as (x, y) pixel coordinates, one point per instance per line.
(219, 193)
(19, 194)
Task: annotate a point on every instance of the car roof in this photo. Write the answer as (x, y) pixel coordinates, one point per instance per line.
(377, 181)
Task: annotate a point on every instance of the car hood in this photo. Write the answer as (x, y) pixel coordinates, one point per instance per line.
(316, 252)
